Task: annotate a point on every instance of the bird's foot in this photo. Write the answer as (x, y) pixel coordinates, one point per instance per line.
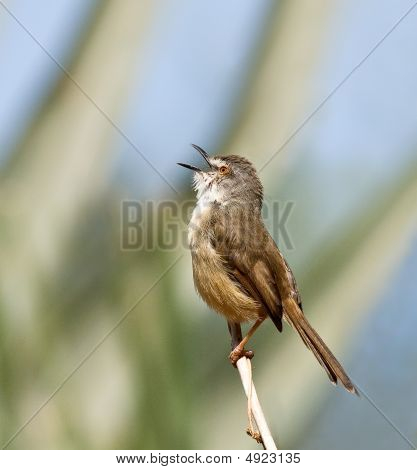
(239, 352)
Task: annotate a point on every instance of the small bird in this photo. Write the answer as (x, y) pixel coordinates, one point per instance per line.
(237, 267)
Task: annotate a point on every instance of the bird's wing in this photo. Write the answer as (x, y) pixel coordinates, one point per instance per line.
(250, 259)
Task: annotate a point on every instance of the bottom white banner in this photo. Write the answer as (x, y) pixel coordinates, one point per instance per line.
(104, 459)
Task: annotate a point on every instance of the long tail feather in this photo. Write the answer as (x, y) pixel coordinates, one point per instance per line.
(295, 317)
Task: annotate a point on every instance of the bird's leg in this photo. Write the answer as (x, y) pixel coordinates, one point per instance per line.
(238, 350)
(235, 332)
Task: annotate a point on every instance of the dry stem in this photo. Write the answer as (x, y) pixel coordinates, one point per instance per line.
(244, 366)
(245, 371)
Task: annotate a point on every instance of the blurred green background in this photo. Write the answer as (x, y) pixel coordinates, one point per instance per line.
(90, 93)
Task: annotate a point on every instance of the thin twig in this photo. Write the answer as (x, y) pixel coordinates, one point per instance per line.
(245, 371)
(251, 430)
(244, 366)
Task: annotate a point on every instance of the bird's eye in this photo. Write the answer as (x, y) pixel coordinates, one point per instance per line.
(223, 170)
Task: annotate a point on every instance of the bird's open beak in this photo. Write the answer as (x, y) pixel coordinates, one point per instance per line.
(190, 167)
(203, 153)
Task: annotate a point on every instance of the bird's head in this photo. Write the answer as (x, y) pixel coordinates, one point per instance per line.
(228, 179)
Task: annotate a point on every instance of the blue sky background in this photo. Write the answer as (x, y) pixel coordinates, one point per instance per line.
(30, 72)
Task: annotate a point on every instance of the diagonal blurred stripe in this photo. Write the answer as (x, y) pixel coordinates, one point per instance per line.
(88, 97)
(90, 354)
(338, 87)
